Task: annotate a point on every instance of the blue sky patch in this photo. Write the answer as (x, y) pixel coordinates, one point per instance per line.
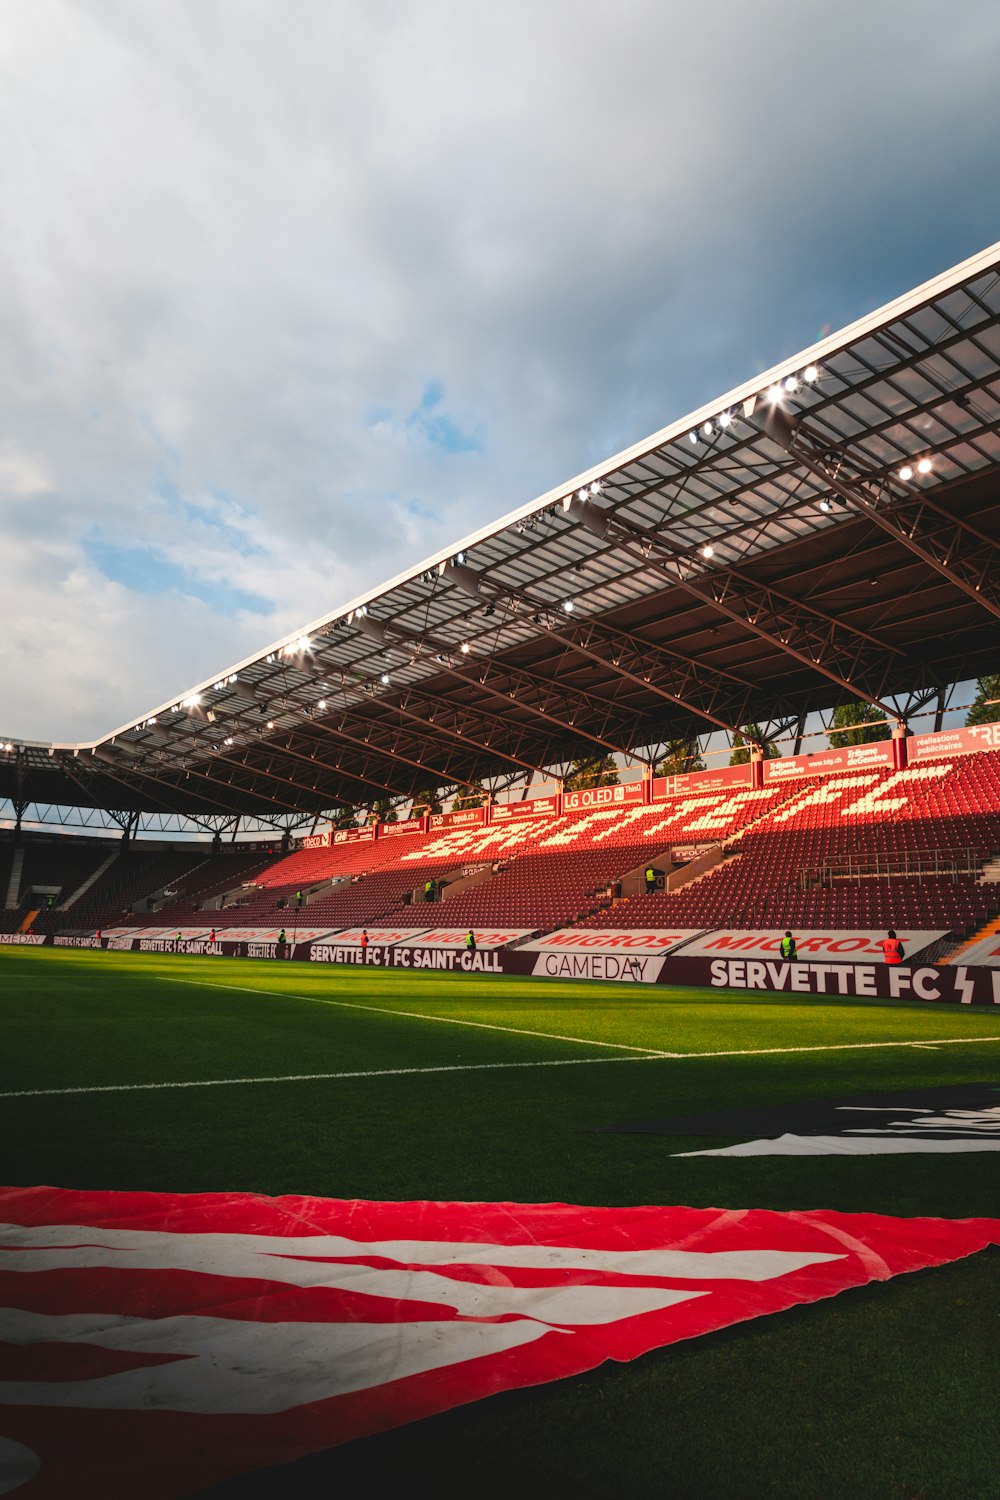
(434, 424)
(145, 570)
(437, 427)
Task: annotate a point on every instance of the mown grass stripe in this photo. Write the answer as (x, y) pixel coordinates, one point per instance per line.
(413, 1015)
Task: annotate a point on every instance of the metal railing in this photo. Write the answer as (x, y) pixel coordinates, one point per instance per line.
(948, 861)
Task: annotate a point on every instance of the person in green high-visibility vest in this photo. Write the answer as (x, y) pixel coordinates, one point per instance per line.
(788, 949)
(470, 941)
(650, 880)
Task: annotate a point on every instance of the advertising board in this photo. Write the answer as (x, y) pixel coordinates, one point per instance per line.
(541, 807)
(823, 762)
(400, 830)
(455, 937)
(470, 817)
(353, 835)
(694, 783)
(595, 797)
(842, 946)
(953, 742)
(316, 840)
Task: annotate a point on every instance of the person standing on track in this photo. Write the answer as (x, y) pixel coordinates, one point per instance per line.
(892, 948)
(788, 949)
(470, 941)
(364, 943)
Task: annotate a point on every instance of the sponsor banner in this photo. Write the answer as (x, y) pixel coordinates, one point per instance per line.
(621, 967)
(384, 936)
(24, 939)
(611, 940)
(316, 840)
(472, 817)
(624, 956)
(294, 933)
(394, 830)
(76, 940)
(201, 930)
(696, 783)
(952, 742)
(541, 807)
(683, 854)
(454, 937)
(234, 1332)
(953, 1118)
(602, 796)
(404, 956)
(823, 762)
(353, 835)
(954, 985)
(842, 946)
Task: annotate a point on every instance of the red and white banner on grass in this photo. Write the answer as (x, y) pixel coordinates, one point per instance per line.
(159, 1343)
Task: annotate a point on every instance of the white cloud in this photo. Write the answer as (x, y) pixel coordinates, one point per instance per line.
(233, 230)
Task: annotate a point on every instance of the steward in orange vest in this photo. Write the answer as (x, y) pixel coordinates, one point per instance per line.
(892, 948)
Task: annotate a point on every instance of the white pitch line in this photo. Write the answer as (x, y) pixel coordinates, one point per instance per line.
(557, 1062)
(649, 1055)
(215, 1083)
(414, 1015)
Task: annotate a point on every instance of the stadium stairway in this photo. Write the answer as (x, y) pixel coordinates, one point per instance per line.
(14, 880)
(988, 929)
(91, 879)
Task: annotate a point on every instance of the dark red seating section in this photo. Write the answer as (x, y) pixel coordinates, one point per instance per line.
(129, 879)
(867, 848)
(63, 863)
(219, 873)
(835, 856)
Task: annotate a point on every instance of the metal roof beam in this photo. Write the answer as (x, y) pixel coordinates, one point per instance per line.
(954, 548)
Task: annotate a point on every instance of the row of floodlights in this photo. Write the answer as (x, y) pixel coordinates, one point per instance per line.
(775, 394)
(787, 387)
(923, 466)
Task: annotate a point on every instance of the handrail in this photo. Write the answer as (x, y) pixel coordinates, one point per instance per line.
(945, 861)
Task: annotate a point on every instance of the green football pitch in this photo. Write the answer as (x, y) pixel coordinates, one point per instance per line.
(195, 1074)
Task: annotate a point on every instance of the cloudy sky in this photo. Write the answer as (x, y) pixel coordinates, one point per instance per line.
(293, 294)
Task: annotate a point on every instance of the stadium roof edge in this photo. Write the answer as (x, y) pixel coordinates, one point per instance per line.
(816, 353)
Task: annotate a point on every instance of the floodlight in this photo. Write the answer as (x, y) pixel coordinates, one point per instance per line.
(791, 383)
(384, 679)
(726, 419)
(460, 557)
(192, 701)
(824, 504)
(321, 704)
(906, 473)
(707, 430)
(568, 606)
(924, 466)
(811, 375)
(465, 648)
(774, 394)
(228, 740)
(693, 436)
(707, 550)
(596, 487)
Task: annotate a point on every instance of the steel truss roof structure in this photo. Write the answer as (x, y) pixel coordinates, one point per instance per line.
(828, 531)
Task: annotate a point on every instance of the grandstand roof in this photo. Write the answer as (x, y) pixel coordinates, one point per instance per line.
(770, 554)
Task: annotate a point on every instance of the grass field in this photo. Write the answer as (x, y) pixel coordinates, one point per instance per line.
(383, 1085)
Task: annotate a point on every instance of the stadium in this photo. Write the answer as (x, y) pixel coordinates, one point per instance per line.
(471, 895)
